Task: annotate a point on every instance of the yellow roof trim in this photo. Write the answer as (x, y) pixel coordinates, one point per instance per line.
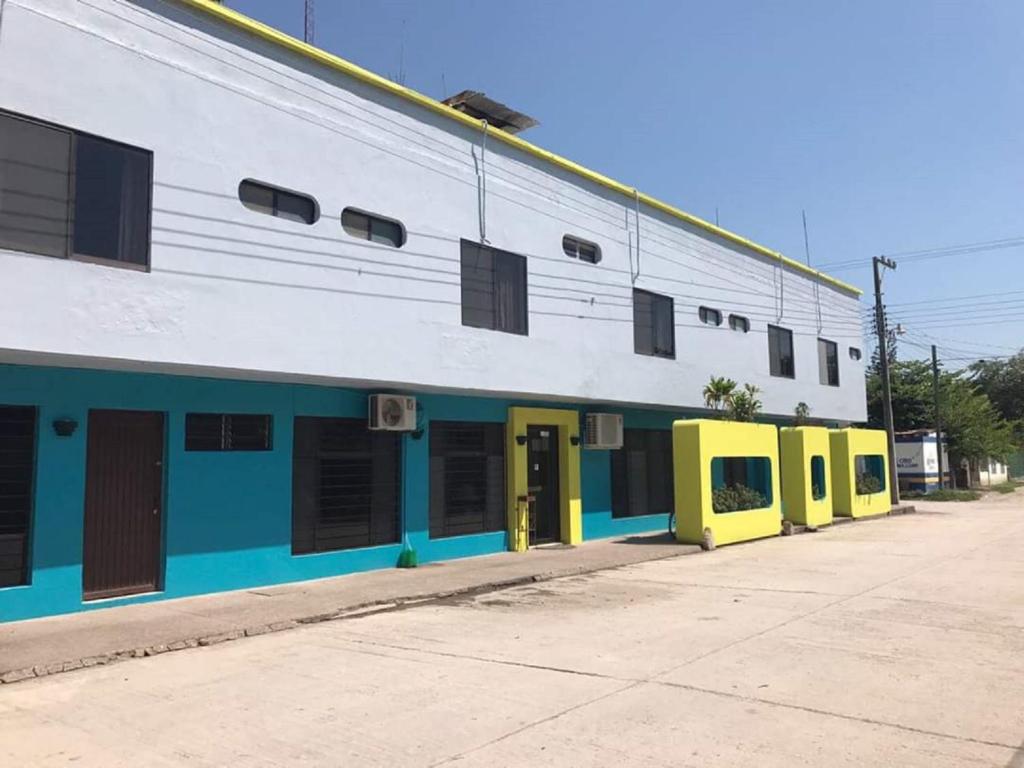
(295, 45)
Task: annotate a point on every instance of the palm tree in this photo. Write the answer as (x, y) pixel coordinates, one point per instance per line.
(718, 392)
(744, 406)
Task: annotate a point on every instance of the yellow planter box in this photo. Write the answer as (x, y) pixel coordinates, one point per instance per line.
(860, 457)
(701, 454)
(806, 481)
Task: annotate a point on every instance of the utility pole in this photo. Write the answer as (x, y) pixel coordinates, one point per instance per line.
(938, 413)
(878, 262)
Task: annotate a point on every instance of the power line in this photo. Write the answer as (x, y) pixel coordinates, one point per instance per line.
(932, 253)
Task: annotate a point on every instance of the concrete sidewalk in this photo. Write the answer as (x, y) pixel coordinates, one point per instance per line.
(48, 646)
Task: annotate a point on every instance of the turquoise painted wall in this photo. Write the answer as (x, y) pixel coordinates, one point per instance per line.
(227, 515)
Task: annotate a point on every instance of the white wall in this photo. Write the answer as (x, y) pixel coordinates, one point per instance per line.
(234, 291)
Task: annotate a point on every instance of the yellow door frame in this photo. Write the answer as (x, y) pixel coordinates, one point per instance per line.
(570, 500)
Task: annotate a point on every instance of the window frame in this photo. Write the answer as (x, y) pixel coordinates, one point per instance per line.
(855, 353)
(710, 316)
(496, 254)
(780, 373)
(276, 190)
(571, 248)
(741, 320)
(648, 441)
(825, 346)
(441, 451)
(227, 432)
(28, 533)
(652, 299)
(370, 219)
(70, 254)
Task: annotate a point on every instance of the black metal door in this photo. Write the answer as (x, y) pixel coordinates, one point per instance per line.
(123, 500)
(542, 479)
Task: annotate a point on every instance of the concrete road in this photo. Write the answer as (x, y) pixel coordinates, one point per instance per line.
(893, 642)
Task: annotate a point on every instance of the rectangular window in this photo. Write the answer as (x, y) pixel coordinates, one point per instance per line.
(828, 362)
(739, 323)
(780, 352)
(467, 478)
(227, 432)
(377, 229)
(346, 481)
(494, 293)
(869, 473)
(642, 473)
(17, 470)
(69, 194)
(654, 325)
(740, 483)
(819, 483)
(278, 202)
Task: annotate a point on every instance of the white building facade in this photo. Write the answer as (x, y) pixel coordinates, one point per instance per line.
(216, 243)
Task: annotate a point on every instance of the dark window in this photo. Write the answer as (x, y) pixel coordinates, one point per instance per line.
(227, 432)
(854, 353)
(64, 193)
(278, 202)
(654, 328)
(17, 467)
(642, 471)
(493, 289)
(467, 478)
(376, 229)
(346, 481)
(828, 363)
(780, 352)
(739, 483)
(819, 484)
(709, 316)
(869, 474)
(581, 249)
(112, 189)
(739, 323)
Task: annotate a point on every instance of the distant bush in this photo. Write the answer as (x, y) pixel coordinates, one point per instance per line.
(948, 494)
(868, 484)
(1004, 487)
(736, 498)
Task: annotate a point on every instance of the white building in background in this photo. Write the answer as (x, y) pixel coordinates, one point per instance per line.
(216, 242)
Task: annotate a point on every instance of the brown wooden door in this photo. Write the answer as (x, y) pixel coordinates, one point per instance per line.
(123, 501)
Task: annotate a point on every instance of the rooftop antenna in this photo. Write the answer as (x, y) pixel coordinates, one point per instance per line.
(310, 29)
(401, 58)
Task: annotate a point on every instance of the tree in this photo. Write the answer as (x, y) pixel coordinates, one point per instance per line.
(801, 414)
(973, 427)
(718, 392)
(1003, 382)
(744, 405)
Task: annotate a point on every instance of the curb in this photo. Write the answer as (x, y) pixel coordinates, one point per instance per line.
(357, 611)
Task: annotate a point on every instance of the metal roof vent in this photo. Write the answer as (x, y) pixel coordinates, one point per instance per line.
(478, 106)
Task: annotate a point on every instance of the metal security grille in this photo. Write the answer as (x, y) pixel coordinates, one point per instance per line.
(227, 432)
(642, 482)
(467, 478)
(17, 468)
(346, 484)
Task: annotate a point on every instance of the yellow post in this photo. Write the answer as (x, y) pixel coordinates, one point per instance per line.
(695, 445)
(806, 475)
(858, 455)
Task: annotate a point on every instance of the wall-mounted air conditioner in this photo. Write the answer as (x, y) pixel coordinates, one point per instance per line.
(396, 413)
(603, 430)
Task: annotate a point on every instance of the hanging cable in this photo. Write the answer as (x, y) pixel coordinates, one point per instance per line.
(636, 199)
(482, 185)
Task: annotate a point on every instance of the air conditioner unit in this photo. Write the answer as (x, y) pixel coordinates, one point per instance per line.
(603, 430)
(396, 413)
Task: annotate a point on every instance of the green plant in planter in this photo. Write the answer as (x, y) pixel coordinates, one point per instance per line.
(744, 405)
(736, 498)
(868, 484)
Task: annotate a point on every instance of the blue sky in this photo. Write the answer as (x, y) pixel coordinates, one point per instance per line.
(898, 126)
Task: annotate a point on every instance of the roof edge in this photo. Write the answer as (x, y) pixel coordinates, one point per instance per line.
(270, 34)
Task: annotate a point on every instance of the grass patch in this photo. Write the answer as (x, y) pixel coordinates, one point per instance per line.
(1004, 487)
(946, 494)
